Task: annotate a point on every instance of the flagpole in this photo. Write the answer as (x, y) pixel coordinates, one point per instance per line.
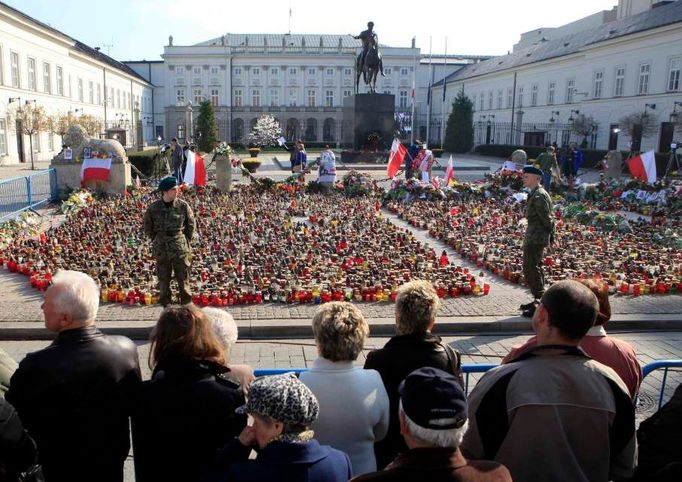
(428, 94)
(414, 87)
(442, 105)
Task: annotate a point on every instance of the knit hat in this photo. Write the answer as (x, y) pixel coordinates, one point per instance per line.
(168, 182)
(433, 399)
(283, 398)
(531, 169)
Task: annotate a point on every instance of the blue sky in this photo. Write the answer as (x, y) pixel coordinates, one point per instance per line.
(138, 29)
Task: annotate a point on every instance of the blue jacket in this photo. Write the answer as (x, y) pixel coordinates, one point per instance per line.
(290, 462)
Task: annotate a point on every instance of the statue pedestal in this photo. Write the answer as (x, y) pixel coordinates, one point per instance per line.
(365, 114)
(69, 176)
(223, 168)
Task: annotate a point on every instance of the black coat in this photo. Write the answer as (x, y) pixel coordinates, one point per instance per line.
(74, 398)
(185, 413)
(398, 358)
(17, 450)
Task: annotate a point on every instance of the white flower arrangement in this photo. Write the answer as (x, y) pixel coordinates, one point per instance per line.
(223, 149)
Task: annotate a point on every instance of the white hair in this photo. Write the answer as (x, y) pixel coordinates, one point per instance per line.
(447, 438)
(77, 295)
(223, 325)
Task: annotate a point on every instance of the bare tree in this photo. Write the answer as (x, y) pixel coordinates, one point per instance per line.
(584, 126)
(62, 122)
(638, 126)
(91, 124)
(32, 119)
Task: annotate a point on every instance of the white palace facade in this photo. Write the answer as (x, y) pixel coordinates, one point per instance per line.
(607, 66)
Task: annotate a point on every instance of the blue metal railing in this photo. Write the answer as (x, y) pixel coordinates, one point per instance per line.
(27, 192)
(468, 369)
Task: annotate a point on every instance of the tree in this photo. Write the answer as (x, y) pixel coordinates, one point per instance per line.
(584, 126)
(637, 126)
(206, 127)
(459, 133)
(32, 119)
(266, 131)
(91, 124)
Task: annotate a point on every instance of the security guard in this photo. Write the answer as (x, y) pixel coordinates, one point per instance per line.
(539, 234)
(169, 222)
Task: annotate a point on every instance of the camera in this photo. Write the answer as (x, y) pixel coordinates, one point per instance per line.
(673, 146)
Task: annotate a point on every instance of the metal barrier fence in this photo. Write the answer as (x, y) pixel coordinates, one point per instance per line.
(468, 369)
(27, 192)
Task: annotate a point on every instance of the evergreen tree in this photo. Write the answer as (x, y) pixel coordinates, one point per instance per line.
(459, 132)
(206, 127)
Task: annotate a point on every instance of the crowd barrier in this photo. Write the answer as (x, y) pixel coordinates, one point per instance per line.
(468, 369)
(18, 194)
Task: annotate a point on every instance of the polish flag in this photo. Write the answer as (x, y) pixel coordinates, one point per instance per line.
(643, 167)
(449, 172)
(95, 170)
(395, 159)
(195, 172)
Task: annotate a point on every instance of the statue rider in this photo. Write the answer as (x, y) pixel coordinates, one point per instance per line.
(369, 39)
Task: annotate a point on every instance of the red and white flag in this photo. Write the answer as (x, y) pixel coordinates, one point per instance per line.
(395, 159)
(95, 169)
(449, 172)
(643, 167)
(195, 172)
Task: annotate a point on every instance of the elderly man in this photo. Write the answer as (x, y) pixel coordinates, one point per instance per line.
(170, 224)
(433, 420)
(539, 234)
(554, 414)
(414, 347)
(74, 396)
(178, 158)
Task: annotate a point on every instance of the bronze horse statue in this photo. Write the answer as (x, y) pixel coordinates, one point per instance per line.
(369, 69)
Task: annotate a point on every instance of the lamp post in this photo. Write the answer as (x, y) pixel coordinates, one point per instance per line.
(648, 106)
(490, 130)
(552, 120)
(573, 111)
(674, 115)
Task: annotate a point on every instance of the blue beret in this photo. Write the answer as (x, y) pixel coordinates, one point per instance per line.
(530, 169)
(167, 183)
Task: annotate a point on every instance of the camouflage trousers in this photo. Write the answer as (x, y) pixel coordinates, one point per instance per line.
(532, 268)
(165, 268)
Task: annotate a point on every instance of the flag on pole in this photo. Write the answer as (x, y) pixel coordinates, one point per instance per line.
(449, 172)
(195, 172)
(643, 167)
(95, 169)
(396, 157)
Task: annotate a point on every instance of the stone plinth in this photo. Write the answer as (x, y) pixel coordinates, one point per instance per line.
(365, 114)
(69, 176)
(223, 167)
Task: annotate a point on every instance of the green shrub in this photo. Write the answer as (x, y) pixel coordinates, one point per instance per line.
(148, 161)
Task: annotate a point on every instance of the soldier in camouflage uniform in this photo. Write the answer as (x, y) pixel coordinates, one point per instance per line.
(539, 234)
(169, 222)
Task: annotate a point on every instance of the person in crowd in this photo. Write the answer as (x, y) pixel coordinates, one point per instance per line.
(353, 402)
(186, 412)
(17, 450)
(548, 164)
(301, 159)
(426, 165)
(169, 223)
(327, 169)
(660, 443)
(412, 153)
(433, 420)
(566, 161)
(7, 368)
(178, 159)
(75, 396)
(225, 329)
(539, 234)
(414, 346)
(578, 157)
(554, 414)
(293, 153)
(283, 409)
(612, 352)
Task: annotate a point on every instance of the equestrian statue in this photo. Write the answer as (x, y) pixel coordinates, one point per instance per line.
(369, 62)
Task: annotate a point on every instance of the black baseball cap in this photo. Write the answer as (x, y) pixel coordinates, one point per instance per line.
(433, 399)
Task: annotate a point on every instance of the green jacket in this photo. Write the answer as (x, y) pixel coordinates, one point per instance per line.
(547, 161)
(170, 229)
(539, 215)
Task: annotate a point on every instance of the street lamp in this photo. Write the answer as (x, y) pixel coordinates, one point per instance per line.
(554, 113)
(14, 99)
(674, 115)
(573, 111)
(648, 106)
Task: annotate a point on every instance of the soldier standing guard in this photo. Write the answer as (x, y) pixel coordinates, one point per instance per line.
(539, 234)
(169, 222)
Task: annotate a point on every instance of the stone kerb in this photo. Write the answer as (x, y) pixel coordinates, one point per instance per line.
(69, 170)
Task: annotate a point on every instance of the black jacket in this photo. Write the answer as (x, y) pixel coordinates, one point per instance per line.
(17, 450)
(185, 413)
(74, 398)
(398, 358)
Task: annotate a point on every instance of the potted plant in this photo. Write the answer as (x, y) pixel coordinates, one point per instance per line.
(251, 165)
(265, 133)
